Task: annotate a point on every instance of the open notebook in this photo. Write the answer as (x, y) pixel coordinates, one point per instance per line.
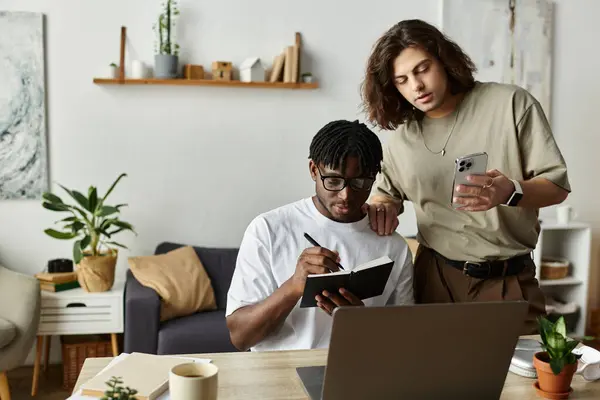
(364, 281)
(151, 379)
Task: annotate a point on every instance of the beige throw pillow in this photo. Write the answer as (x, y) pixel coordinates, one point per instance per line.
(180, 280)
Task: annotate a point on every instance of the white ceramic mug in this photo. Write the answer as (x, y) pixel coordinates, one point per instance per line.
(564, 214)
(193, 381)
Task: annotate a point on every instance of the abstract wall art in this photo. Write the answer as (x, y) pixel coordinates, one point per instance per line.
(23, 147)
(509, 41)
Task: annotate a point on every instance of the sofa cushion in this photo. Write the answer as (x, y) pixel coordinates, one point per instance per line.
(180, 280)
(219, 264)
(7, 332)
(204, 332)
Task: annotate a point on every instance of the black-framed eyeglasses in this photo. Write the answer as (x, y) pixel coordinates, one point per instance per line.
(335, 183)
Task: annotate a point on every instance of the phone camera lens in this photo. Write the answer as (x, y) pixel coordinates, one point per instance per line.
(461, 169)
(469, 165)
(462, 163)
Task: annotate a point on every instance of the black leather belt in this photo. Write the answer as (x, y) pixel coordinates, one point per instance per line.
(490, 269)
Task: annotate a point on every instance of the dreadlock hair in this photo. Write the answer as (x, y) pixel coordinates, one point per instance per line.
(338, 140)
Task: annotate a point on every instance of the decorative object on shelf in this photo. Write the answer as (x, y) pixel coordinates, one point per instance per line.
(307, 77)
(138, 69)
(252, 70)
(193, 72)
(113, 71)
(93, 224)
(554, 268)
(565, 214)
(23, 158)
(166, 59)
(556, 364)
(222, 70)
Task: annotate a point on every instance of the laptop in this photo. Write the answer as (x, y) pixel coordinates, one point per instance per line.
(422, 351)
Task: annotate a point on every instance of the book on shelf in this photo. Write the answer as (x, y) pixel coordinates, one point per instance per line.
(58, 287)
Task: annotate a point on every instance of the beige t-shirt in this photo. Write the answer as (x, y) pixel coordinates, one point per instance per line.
(507, 123)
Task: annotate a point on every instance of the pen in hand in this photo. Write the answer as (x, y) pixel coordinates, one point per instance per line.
(314, 243)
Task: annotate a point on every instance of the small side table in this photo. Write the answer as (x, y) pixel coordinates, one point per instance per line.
(77, 312)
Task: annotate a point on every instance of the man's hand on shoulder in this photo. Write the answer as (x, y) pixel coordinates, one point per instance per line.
(383, 215)
(329, 301)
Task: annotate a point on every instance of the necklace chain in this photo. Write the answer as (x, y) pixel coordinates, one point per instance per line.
(443, 150)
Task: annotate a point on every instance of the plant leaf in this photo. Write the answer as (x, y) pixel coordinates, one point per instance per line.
(117, 244)
(113, 185)
(68, 219)
(123, 224)
(92, 199)
(107, 210)
(561, 327)
(557, 365)
(60, 235)
(81, 199)
(52, 198)
(85, 242)
(75, 226)
(55, 206)
(77, 254)
(118, 206)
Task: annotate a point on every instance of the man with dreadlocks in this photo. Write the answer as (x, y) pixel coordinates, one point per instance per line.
(274, 258)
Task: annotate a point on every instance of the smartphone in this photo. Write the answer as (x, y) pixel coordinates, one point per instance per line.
(472, 164)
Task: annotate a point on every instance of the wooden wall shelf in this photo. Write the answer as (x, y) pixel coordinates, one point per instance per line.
(205, 82)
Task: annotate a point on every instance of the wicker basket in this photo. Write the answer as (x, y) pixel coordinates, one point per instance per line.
(554, 268)
(97, 273)
(76, 348)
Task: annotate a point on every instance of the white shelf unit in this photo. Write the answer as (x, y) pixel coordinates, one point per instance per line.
(573, 242)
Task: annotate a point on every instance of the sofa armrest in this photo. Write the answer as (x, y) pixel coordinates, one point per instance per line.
(142, 317)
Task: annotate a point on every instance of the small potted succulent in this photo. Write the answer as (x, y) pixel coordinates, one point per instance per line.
(113, 71)
(557, 364)
(307, 77)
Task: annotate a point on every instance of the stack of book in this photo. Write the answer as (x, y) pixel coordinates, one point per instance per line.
(57, 281)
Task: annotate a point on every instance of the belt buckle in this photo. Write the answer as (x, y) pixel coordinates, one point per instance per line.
(477, 264)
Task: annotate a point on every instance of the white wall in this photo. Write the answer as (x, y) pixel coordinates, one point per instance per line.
(203, 161)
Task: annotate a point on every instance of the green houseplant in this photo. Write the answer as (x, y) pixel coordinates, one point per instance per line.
(557, 364)
(92, 224)
(166, 58)
(118, 392)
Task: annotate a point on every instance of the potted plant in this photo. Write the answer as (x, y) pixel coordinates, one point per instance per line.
(113, 71)
(307, 77)
(166, 58)
(117, 391)
(93, 224)
(557, 364)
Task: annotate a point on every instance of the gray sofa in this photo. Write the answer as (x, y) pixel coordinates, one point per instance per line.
(203, 332)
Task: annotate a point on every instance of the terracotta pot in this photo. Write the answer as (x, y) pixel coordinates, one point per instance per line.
(548, 382)
(97, 273)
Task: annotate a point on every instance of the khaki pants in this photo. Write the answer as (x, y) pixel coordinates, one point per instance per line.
(437, 282)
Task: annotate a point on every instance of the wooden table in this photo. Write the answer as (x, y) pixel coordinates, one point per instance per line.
(272, 375)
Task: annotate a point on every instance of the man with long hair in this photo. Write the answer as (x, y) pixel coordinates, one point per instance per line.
(420, 84)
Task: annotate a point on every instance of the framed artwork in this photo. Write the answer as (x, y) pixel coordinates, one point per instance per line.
(23, 147)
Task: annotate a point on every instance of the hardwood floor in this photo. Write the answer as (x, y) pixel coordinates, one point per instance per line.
(49, 387)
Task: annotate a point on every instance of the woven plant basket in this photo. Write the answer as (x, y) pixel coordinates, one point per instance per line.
(76, 348)
(97, 273)
(554, 268)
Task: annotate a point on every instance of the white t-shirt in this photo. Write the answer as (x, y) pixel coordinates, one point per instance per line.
(268, 255)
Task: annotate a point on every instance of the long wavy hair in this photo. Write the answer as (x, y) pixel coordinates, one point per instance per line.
(382, 102)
